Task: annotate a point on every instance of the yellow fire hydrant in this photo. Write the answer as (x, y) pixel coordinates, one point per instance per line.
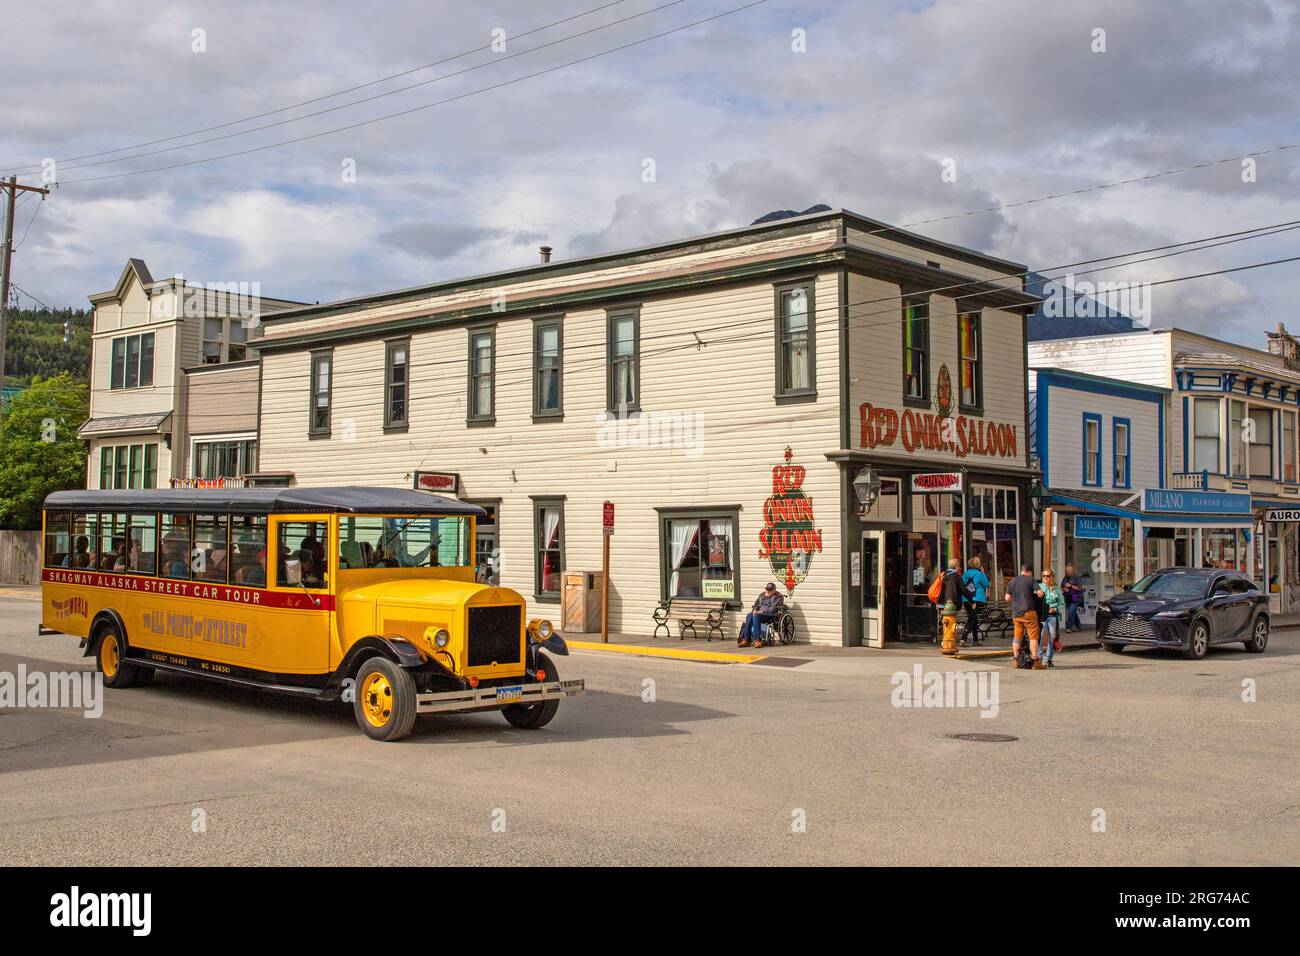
(949, 617)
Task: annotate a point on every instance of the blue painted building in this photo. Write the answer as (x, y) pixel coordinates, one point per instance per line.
(1102, 446)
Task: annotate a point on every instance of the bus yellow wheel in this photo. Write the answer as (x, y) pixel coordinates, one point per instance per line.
(385, 700)
(109, 652)
(377, 699)
(110, 655)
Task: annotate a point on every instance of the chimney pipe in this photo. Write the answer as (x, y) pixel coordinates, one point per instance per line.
(546, 253)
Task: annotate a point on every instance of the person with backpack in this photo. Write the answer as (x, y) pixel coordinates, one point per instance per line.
(949, 600)
(1023, 594)
(1054, 607)
(975, 588)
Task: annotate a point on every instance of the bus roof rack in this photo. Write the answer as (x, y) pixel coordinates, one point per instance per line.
(342, 500)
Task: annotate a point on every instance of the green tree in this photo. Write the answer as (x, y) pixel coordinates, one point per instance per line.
(39, 448)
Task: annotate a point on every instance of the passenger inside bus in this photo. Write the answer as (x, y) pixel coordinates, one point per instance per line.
(253, 574)
(80, 556)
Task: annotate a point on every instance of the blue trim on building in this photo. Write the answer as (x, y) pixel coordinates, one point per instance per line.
(1083, 473)
(1115, 422)
(1041, 388)
(1204, 520)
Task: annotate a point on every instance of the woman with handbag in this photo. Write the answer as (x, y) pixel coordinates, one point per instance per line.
(1054, 603)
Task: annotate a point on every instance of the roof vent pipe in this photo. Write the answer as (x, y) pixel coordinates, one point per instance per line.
(546, 254)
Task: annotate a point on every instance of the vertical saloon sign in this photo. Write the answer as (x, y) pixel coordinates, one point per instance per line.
(790, 536)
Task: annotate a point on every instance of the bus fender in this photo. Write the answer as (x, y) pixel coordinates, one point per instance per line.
(108, 614)
(397, 649)
(553, 644)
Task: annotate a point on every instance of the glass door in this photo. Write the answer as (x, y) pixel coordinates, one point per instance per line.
(873, 589)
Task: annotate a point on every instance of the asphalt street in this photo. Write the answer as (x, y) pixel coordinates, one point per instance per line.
(1137, 758)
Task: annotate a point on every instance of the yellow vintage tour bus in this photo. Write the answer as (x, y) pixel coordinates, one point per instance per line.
(365, 595)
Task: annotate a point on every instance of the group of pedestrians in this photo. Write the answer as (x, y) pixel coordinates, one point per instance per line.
(1041, 609)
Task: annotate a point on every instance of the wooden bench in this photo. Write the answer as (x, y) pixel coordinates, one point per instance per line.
(688, 612)
(994, 618)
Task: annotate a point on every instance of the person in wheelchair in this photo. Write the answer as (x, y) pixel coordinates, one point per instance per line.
(766, 607)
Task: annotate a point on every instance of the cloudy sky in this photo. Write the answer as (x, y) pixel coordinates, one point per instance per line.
(861, 104)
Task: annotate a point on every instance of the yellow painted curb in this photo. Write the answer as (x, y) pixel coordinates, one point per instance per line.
(979, 655)
(682, 654)
(15, 593)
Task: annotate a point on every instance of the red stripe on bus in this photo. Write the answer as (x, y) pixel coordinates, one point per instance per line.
(214, 591)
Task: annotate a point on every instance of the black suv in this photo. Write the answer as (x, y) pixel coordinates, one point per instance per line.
(1186, 609)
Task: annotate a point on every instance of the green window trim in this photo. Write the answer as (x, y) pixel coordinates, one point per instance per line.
(320, 394)
(543, 503)
(975, 361)
(916, 352)
(481, 379)
(556, 366)
(397, 385)
(632, 361)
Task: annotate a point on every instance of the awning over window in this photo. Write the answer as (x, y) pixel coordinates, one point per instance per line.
(154, 423)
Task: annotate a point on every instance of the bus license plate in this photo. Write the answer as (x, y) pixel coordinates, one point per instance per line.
(509, 695)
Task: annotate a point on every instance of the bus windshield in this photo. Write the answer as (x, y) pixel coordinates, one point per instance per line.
(394, 541)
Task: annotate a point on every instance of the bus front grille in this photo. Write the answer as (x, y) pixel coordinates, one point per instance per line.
(494, 635)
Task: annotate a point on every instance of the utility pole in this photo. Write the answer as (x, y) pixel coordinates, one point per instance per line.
(11, 189)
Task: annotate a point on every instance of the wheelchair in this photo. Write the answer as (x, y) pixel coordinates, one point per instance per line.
(781, 628)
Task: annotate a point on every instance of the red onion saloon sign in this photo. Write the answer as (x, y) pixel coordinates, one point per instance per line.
(790, 536)
(926, 431)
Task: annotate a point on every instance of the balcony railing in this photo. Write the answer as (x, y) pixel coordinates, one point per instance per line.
(1191, 480)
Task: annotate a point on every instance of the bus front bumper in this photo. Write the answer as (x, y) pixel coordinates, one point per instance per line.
(494, 698)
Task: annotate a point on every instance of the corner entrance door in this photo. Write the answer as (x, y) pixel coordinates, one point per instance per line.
(873, 589)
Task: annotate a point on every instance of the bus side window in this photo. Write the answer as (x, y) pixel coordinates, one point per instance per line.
(177, 533)
(142, 551)
(307, 543)
(56, 538)
(248, 540)
(209, 556)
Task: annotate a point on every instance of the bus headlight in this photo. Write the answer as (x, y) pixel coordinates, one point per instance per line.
(540, 629)
(441, 638)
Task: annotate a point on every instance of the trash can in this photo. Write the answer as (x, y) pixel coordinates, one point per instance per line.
(580, 608)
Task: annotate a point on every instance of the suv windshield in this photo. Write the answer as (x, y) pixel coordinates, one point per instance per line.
(404, 542)
(1173, 585)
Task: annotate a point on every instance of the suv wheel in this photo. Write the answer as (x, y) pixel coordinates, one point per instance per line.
(1199, 641)
(1258, 635)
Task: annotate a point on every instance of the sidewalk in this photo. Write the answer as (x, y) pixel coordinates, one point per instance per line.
(27, 592)
(728, 652)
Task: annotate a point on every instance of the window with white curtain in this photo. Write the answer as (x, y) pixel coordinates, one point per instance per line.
(699, 556)
(548, 530)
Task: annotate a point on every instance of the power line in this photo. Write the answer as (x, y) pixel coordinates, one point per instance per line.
(379, 96)
(323, 97)
(425, 106)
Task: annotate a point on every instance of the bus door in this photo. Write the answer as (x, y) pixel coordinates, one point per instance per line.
(299, 601)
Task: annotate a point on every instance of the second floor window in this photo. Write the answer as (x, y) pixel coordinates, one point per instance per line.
(1120, 441)
(1288, 446)
(224, 340)
(322, 370)
(1260, 444)
(972, 392)
(396, 383)
(482, 374)
(1205, 443)
(548, 365)
(1091, 450)
(132, 361)
(1237, 437)
(225, 458)
(916, 349)
(794, 345)
(623, 348)
(128, 466)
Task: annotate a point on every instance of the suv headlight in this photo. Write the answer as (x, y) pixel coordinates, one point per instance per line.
(1171, 615)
